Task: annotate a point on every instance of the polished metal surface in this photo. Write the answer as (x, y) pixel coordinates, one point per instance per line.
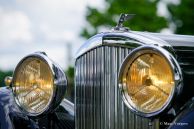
(129, 39)
(144, 38)
(172, 39)
(93, 42)
(98, 101)
(175, 68)
(8, 81)
(123, 18)
(59, 83)
(69, 106)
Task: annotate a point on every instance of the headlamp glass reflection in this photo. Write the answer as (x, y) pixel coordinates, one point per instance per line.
(33, 85)
(149, 83)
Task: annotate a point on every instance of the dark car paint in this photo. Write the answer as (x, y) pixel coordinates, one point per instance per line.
(7, 105)
(12, 118)
(185, 119)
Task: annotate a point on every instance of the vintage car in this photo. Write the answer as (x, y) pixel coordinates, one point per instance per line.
(124, 79)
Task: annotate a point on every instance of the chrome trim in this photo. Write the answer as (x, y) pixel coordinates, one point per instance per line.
(123, 18)
(110, 39)
(91, 43)
(142, 39)
(59, 83)
(69, 106)
(98, 101)
(8, 81)
(172, 39)
(174, 67)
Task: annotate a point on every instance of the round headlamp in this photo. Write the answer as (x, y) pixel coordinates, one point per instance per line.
(149, 79)
(38, 84)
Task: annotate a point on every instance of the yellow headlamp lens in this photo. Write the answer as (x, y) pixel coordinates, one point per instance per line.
(33, 85)
(149, 82)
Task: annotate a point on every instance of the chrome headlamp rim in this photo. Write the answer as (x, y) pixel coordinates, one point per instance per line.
(58, 78)
(175, 69)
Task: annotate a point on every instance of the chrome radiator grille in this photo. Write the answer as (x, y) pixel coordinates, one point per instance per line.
(98, 101)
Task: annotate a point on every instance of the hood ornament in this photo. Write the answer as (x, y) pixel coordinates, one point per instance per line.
(123, 18)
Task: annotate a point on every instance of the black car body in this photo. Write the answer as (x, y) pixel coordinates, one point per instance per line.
(99, 101)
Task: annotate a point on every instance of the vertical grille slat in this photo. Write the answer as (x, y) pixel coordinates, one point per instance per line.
(91, 95)
(102, 89)
(94, 91)
(99, 92)
(115, 89)
(99, 102)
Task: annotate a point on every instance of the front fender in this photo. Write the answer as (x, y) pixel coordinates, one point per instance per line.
(10, 115)
(185, 119)
(7, 105)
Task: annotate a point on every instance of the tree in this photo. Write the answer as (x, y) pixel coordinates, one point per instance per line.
(182, 15)
(146, 18)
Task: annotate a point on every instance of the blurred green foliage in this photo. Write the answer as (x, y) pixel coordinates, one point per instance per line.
(183, 16)
(70, 72)
(70, 89)
(146, 16)
(3, 74)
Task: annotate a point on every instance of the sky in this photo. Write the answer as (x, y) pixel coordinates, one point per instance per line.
(28, 26)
